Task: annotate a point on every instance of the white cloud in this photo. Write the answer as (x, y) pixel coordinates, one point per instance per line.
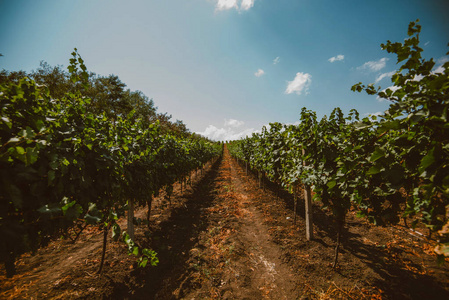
(300, 84)
(226, 4)
(228, 132)
(230, 4)
(336, 58)
(233, 123)
(441, 61)
(294, 123)
(259, 73)
(375, 65)
(418, 77)
(373, 114)
(276, 60)
(439, 69)
(383, 75)
(213, 132)
(246, 4)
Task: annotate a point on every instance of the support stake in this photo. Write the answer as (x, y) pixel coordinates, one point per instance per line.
(308, 204)
(131, 218)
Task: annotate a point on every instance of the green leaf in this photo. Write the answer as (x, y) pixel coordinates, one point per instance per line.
(378, 153)
(443, 249)
(51, 176)
(116, 230)
(427, 161)
(374, 170)
(49, 209)
(67, 204)
(65, 162)
(28, 133)
(395, 124)
(40, 125)
(143, 261)
(7, 121)
(20, 150)
(417, 116)
(71, 210)
(13, 140)
(54, 164)
(32, 155)
(361, 214)
(152, 256)
(331, 184)
(126, 238)
(74, 212)
(92, 220)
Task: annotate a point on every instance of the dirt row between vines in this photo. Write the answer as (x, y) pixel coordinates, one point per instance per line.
(225, 238)
(66, 270)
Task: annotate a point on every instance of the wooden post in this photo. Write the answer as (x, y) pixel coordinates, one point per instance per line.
(308, 204)
(131, 218)
(263, 181)
(295, 197)
(149, 201)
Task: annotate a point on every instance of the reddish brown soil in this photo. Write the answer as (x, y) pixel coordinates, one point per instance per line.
(224, 238)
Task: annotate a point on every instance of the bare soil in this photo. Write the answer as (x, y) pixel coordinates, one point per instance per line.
(225, 238)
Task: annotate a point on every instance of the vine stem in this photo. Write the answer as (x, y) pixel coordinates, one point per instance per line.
(105, 240)
(337, 247)
(149, 201)
(131, 218)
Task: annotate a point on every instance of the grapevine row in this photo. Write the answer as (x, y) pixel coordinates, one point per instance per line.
(61, 165)
(387, 167)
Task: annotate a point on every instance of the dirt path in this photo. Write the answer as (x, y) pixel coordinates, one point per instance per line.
(262, 263)
(254, 270)
(232, 255)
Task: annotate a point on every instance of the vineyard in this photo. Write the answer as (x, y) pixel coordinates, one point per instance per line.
(387, 167)
(62, 165)
(100, 201)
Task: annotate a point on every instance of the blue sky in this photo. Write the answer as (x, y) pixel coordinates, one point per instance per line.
(227, 67)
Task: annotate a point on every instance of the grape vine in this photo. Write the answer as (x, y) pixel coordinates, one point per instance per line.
(388, 167)
(62, 164)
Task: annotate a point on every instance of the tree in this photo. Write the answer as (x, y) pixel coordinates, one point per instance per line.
(108, 95)
(143, 106)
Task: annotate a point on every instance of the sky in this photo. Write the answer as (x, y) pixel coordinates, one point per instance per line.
(227, 67)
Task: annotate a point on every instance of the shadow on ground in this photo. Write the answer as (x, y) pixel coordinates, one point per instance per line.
(172, 239)
(399, 272)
